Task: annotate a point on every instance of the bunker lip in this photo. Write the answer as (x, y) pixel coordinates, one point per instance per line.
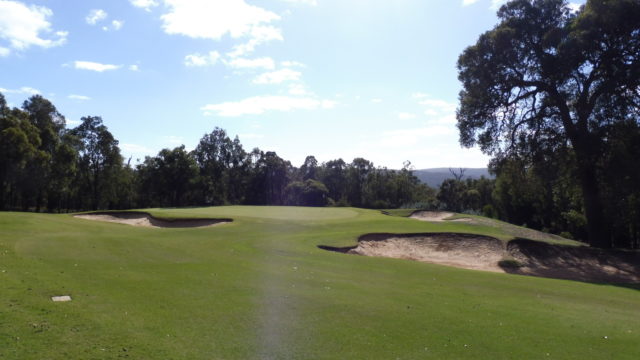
(435, 216)
(141, 218)
(519, 256)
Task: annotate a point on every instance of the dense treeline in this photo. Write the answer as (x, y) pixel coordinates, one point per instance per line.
(45, 166)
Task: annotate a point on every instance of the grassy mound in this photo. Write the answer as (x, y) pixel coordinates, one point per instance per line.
(259, 288)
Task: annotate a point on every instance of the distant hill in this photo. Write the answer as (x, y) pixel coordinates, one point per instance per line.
(435, 177)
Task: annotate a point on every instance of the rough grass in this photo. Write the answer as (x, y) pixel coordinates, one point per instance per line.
(508, 231)
(259, 288)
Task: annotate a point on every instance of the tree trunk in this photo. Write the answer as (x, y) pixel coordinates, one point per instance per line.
(597, 223)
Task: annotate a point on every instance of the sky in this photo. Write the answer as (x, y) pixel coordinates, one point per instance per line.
(330, 78)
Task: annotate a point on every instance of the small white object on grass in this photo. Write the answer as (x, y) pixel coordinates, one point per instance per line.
(61, 298)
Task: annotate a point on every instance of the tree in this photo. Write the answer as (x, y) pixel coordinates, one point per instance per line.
(19, 146)
(307, 193)
(333, 175)
(545, 77)
(174, 172)
(268, 178)
(99, 162)
(214, 156)
(309, 169)
(40, 175)
(357, 173)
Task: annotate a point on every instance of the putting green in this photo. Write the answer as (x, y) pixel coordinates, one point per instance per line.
(260, 288)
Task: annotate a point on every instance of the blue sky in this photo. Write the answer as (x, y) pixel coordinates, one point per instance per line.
(329, 78)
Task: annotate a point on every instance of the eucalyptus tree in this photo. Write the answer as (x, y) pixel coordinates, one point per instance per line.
(215, 155)
(19, 146)
(50, 124)
(99, 163)
(546, 77)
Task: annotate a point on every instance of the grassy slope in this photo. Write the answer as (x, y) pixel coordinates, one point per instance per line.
(260, 288)
(509, 231)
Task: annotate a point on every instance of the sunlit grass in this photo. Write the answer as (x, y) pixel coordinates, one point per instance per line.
(259, 288)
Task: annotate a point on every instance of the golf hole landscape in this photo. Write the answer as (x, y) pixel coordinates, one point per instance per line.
(264, 286)
(320, 180)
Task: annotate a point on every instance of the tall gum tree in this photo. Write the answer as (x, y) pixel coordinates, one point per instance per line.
(547, 77)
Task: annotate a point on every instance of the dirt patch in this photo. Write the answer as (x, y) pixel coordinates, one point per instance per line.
(147, 220)
(520, 256)
(435, 216)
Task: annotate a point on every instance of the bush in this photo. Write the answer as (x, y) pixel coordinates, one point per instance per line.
(510, 263)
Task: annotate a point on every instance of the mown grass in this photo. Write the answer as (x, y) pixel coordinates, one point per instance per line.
(259, 288)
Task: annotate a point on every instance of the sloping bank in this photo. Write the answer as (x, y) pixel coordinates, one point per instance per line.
(519, 256)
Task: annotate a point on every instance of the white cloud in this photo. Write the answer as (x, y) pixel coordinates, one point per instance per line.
(144, 4)
(376, 101)
(259, 35)
(117, 24)
(94, 66)
(207, 19)
(23, 90)
(298, 89)
(202, 60)
(305, 2)
(78, 97)
(438, 106)
(468, 2)
(419, 95)
(292, 64)
(23, 26)
(260, 104)
(243, 63)
(277, 77)
(134, 68)
(95, 16)
(4, 51)
(406, 116)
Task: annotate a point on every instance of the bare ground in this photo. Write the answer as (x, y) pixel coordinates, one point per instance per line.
(147, 220)
(524, 257)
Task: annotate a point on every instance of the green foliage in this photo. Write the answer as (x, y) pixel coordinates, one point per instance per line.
(510, 263)
(545, 79)
(307, 193)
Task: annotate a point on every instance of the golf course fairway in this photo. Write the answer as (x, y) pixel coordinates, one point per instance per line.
(260, 288)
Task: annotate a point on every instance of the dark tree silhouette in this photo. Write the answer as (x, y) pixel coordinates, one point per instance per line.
(545, 77)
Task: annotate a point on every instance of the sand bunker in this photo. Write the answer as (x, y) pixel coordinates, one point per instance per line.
(525, 257)
(436, 216)
(459, 250)
(147, 220)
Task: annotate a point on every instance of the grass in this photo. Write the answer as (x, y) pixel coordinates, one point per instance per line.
(259, 288)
